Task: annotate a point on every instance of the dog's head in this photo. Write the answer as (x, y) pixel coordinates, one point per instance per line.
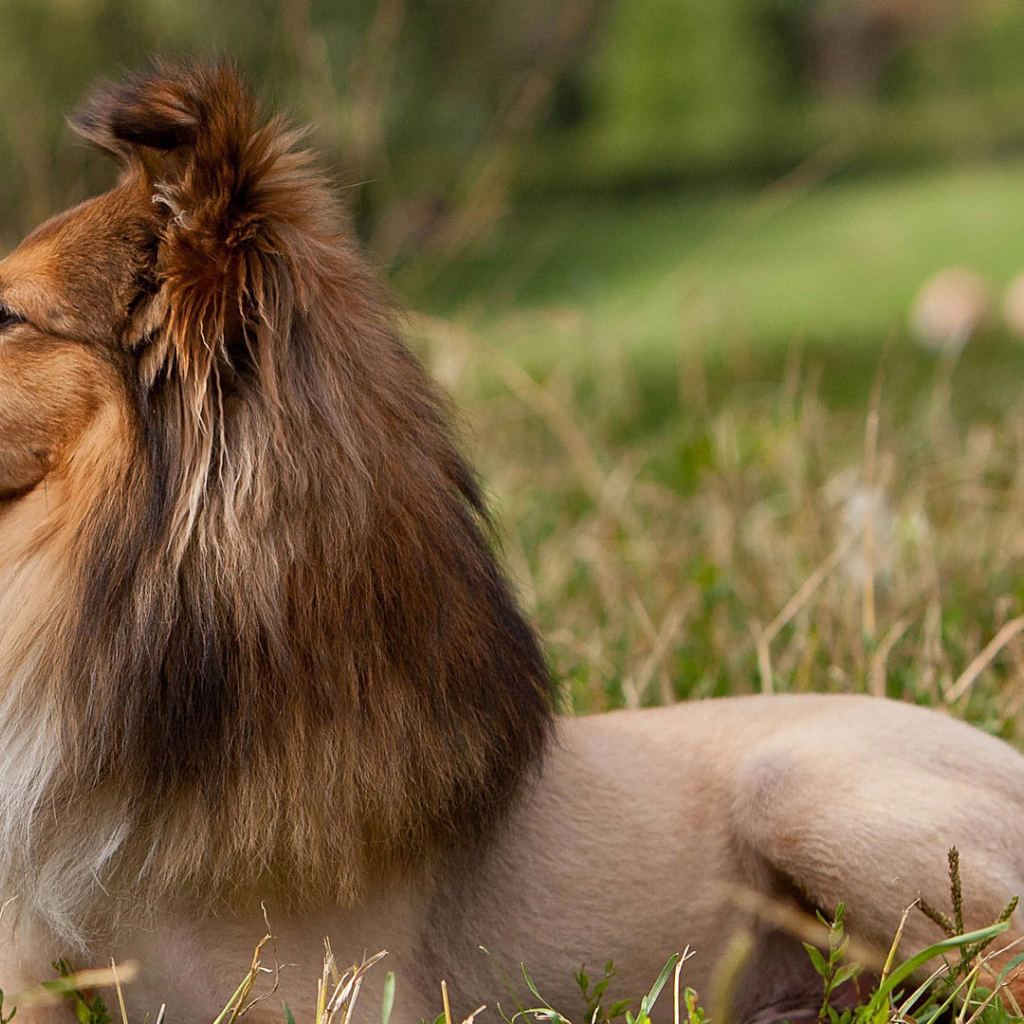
(243, 569)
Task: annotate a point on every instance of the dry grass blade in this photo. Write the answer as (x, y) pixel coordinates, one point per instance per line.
(890, 960)
(533, 395)
(881, 659)
(236, 1005)
(764, 658)
(807, 588)
(984, 659)
(541, 402)
(727, 974)
(752, 512)
(120, 992)
(790, 919)
(1000, 986)
(346, 989)
(868, 531)
(56, 991)
(256, 962)
(661, 641)
(444, 998)
(686, 954)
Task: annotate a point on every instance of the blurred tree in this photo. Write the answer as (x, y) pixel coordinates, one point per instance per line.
(55, 49)
(408, 97)
(696, 80)
(852, 41)
(439, 110)
(678, 90)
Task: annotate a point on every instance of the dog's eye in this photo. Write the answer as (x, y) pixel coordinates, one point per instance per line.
(8, 318)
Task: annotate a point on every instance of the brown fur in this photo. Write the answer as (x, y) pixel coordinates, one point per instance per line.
(279, 609)
(255, 645)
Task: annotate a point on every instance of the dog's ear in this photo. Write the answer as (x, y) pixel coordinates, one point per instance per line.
(237, 195)
(161, 109)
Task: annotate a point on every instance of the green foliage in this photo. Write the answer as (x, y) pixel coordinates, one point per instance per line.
(592, 994)
(547, 1013)
(55, 49)
(834, 973)
(694, 1011)
(88, 1008)
(648, 1001)
(388, 1003)
(686, 86)
(412, 99)
(955, 987)
(698, 89)
(401, 94)
(706, 273)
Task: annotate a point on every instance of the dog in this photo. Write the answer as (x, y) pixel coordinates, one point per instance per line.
(257, 654)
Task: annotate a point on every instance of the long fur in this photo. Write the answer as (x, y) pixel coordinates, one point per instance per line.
(256, 632)
(255, 643)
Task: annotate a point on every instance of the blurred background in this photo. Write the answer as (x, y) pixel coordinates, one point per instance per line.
(726, 291)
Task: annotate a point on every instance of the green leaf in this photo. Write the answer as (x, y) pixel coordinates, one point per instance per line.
(520, 1012)
(877, 1009)
(533, 988)
(389, 998)
(648, 1001)
(1015, 962)
(845, 974)
(817, 960)
(288, 1016)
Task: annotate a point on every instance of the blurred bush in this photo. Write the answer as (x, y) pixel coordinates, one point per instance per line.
(410, 99)
(441, 110)
(681, 90)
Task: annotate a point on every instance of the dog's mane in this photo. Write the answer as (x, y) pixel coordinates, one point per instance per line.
(284, 655)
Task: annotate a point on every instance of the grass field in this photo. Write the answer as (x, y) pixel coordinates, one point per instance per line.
(687, 408)
(720, 465)
(836, 264)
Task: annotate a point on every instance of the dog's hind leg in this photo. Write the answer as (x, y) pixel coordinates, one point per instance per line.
(860, 800)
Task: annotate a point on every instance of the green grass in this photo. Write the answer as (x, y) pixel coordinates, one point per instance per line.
(688, 413)
(965, 978)
(669, 477)
(658, 526)
(839, 263)
(682, 494)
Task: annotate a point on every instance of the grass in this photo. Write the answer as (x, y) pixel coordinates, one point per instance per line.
(837, 264)
(968, 985)
(695, 533)
(721, 467)
(684, 490)
(713, 475)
